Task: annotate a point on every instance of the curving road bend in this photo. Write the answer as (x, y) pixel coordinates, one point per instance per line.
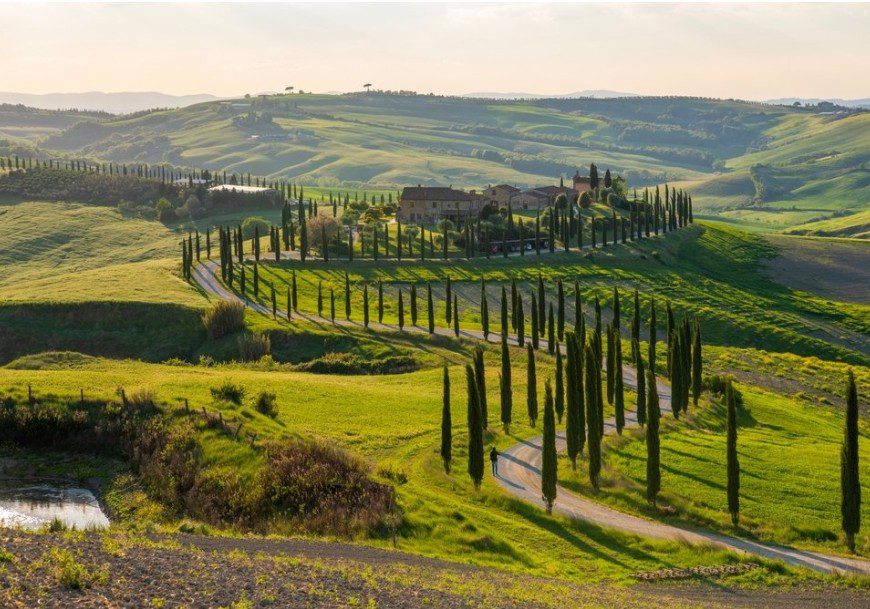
(520, 465)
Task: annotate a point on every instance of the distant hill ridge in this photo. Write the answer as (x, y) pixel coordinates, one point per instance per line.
(116, 103)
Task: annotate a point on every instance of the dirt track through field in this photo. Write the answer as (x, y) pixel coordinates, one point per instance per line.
(520, 465)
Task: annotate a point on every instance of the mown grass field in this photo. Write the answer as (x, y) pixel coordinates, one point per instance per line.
(393, 421)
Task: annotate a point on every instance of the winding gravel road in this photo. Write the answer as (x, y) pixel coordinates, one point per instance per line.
(520, 465)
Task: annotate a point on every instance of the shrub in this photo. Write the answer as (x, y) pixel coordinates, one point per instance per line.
(255, 222)
(229, 392)
(252, 347)
(323, 486)
(349, 363)
(716, 383)
(265, 404)
(6, 556)
(72, 574)
(224, 318)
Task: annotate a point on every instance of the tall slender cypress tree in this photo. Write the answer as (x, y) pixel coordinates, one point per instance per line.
(618, 388)
(641, 385)
(484, 310)
(593, 437)
(696, 362)
(733, 463)
(653, 464)
(380, 301)
(475, 429)
(430, 309)
(651, 358)
(531, 387)
(505, 382)
(294, 292)
(480, 377)
(548, 461)
(850, 506)
(561, 311)
(560, 385)
(448, 300)
(551, 333)
(401, 311)
(347, 302)
(534, 308)
(456, 315)
(446, 423)
(573, 432)
(514, 301)
(521, 324)
(635, 327)
(366, 305)
(320, 299)
(611, 363)
(332, 304)
(504, 312)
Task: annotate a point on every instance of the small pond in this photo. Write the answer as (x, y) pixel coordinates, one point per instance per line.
(33, 504)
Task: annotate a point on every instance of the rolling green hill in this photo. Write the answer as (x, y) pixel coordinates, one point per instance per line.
(762, 167)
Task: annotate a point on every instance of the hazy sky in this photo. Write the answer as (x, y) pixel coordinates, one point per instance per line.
(722, 50)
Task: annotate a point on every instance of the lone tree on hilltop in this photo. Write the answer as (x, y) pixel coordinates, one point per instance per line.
(475, 429)
(850, 506)
(549, 462)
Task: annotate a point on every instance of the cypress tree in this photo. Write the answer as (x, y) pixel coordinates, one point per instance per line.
(242, 279)
(669, 334)
(293, 291)
(320, 299)
(549, 462)
(430, 309)
(332, 304)
(531, 387)
(274, 302)
(289, 304)
(480, 376)
(561, 311)
(256, 279)
(551, 332)
(616, 314)
(696, 363)
(573, 432)
(366, 305)
(641, 385)
(514, 301)
(456, 315)
(651, 358)
(534, 308)
(484, 310)
(578, 307)
(560, 385)
(850, 506)
(676, 377)
(504, 312)
(446, 423)
(401, 311)
(413, 304)
(475, 429)
(521, 324)
(346, 296)
(448, 299)
(618, 386)
(380, 301)
(733, 463)
(611, 363)
(594, 436)
(653, 468)
(635, 327)
(505, 382)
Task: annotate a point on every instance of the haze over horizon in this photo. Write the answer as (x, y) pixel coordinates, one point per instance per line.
(753, 52)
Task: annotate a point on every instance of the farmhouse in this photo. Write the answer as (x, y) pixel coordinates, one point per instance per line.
(500, 195)
(433, 203)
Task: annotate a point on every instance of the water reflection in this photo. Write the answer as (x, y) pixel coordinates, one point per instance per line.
(35, 505)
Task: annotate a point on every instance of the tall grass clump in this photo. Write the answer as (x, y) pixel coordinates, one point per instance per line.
(224, 318)
(253, 346)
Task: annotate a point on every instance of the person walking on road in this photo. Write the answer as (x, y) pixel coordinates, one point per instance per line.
(493, 458)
